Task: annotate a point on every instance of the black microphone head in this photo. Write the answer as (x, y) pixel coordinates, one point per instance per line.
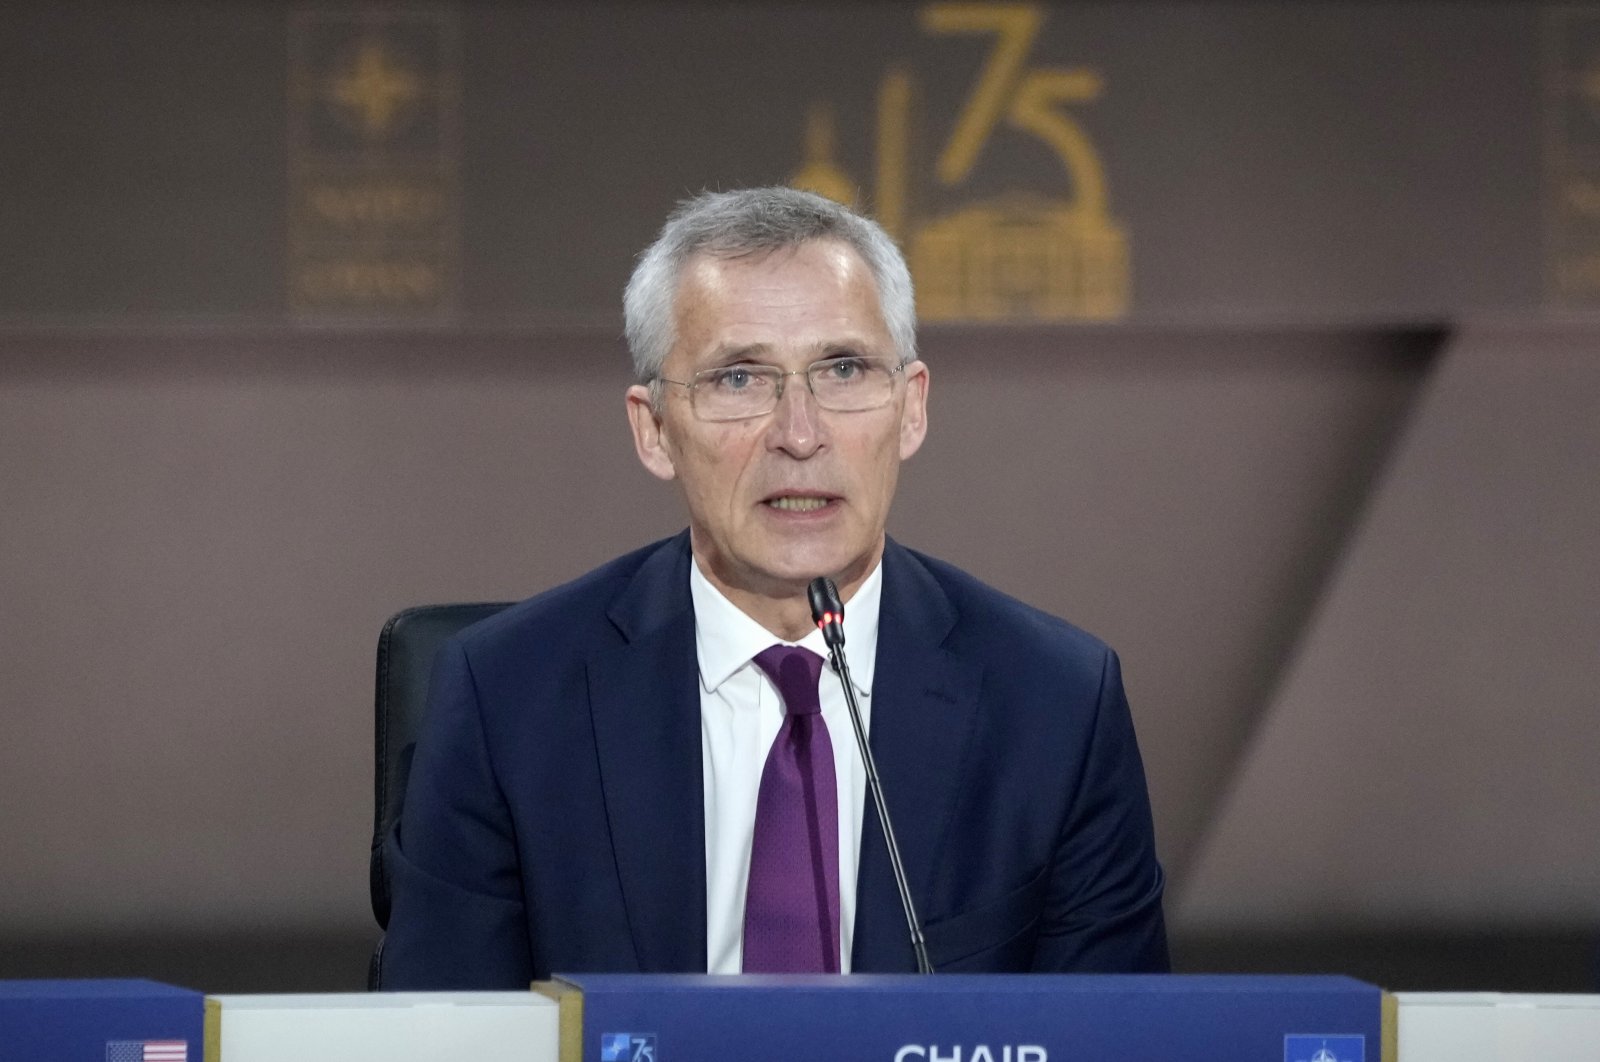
(827, 611)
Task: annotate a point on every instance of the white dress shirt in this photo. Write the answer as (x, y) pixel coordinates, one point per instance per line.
(740, 715)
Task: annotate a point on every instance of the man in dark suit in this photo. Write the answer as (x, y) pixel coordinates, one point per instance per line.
(649, 769)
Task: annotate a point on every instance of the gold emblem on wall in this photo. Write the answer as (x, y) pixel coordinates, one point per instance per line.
(1028, 254)
(375, 89)
(373, 189)
(1572, 160)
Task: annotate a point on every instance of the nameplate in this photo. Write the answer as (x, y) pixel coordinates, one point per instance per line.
(118, 1021)
(993, 1018)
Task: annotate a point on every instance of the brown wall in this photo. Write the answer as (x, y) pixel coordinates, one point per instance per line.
(204, 535)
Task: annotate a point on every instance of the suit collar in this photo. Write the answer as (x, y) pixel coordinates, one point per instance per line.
(924, 712)
(658, 592)
(645, 705)
(924, 611)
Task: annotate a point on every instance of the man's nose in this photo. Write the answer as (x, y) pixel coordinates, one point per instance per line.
(796, 428)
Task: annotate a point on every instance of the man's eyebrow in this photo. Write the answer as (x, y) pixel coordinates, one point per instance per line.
(730, 354)
(847, 346)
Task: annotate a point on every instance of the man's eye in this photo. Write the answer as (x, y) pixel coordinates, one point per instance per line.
(843, 368)
(733, 379)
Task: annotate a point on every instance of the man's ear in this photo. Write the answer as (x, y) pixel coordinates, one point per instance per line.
(649, 439)
(914, 414)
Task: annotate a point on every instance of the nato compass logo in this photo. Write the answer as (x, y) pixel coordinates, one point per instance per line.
(627, 1047)
(1324, 1049)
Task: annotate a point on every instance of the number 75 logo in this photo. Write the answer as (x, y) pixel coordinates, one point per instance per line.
(627, 1047)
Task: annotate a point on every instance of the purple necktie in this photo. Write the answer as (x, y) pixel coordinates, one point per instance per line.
(791, 911)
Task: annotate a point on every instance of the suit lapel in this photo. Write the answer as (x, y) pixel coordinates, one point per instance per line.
(924, 707)
(646, 710)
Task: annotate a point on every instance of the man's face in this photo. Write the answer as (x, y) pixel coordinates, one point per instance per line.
(779, 499)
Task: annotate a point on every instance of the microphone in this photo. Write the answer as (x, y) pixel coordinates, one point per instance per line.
(828, 612)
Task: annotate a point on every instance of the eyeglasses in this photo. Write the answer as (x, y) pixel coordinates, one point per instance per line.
(841, 385)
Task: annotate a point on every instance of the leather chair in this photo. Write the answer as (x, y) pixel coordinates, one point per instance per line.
(406, 648)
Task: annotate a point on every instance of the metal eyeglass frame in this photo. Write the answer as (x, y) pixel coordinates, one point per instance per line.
(782, 378)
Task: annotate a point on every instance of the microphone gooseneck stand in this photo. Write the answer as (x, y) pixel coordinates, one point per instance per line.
(828, 612)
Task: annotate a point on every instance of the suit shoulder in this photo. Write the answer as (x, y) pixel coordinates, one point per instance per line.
(571, 610)
(989, 619)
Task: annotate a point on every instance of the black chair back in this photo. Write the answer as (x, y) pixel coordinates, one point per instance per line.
(406, 649)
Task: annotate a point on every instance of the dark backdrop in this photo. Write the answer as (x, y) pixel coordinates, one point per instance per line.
(1303, 420)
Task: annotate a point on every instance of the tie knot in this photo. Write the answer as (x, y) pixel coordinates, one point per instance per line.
(795, 672)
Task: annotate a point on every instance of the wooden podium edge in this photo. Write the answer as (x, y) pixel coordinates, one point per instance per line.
(211, 1039)
(569, 1016)
(1388, 1030)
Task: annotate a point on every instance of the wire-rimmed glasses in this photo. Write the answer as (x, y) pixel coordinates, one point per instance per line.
(852, 384)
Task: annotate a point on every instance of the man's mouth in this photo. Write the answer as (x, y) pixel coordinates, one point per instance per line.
(798, 503)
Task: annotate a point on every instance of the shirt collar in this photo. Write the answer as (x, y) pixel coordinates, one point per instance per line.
(726, 639)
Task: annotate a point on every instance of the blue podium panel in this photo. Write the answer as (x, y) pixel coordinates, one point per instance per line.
(985, 1018)
(99, 1021)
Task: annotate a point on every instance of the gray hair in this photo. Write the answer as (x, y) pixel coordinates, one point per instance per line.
(755, 221)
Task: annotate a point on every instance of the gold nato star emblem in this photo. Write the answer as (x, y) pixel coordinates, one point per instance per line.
(1588, 83)
(375, 89)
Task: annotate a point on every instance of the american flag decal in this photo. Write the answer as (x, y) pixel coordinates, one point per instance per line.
(147, 1051)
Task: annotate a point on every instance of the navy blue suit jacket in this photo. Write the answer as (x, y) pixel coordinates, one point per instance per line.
(554, 817)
